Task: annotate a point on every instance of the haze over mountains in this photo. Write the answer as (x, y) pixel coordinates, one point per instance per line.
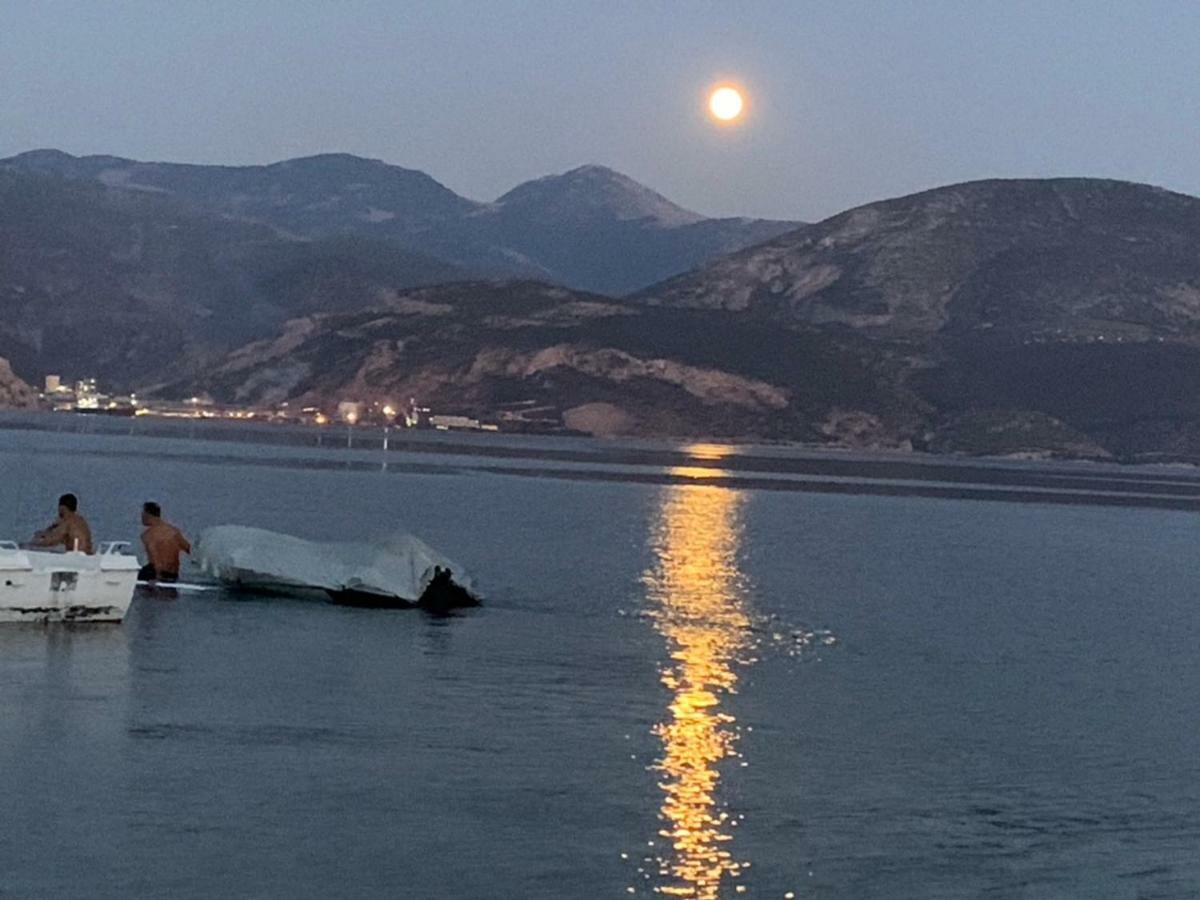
(590, 228)
(1028, 316)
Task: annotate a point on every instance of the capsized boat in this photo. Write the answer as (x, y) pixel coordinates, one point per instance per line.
(50, 586)
(396, 571)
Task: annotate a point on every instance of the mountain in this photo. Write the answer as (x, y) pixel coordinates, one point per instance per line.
(128, 284)
(590, 228)
(1025, 314)
(537, 356)
(316, 196)
(559, 219)
(1027, 255)
(1026, 317)
(592, 194)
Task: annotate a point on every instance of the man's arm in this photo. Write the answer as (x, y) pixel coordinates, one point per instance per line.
(51, 537)
(183, 542)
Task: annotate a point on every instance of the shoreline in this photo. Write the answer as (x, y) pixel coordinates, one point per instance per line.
(486, 442)
(735, 467)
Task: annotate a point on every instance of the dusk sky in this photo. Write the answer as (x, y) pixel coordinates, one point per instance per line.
(849, 102)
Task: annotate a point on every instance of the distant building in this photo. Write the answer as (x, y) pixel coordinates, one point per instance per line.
(54, 384)
(87, 395)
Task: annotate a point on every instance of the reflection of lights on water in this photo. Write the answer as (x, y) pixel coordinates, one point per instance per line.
(703, 453)
(708, 451)
(697, 601)
(698, 473)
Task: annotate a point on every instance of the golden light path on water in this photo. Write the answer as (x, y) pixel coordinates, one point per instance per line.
(697, 602)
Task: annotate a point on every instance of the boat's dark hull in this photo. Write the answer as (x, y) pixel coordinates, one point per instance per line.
(368, 600)
(441, 594)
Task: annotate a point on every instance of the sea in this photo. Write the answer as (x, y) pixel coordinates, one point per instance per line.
(700, 670)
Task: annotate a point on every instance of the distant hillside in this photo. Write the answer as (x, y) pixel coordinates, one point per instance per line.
(124, 285)
(1059, 314)
(543, 357)
(590, 228)
(314, 196)
(591, 194)
(1019, 256)
(1055, 317)
(554, 221)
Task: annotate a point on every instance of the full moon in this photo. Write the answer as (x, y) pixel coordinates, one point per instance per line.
(725, 103)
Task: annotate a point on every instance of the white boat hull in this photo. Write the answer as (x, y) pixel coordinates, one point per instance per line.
(40, 586)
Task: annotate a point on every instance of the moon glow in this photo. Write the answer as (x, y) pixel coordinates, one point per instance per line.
(726, 104)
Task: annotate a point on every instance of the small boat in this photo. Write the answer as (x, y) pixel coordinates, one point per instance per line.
(49, 586)
(398, 571)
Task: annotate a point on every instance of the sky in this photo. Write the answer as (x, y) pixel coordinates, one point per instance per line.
(849, 102)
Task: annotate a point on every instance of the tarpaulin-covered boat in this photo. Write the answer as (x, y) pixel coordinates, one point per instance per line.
(400, 570)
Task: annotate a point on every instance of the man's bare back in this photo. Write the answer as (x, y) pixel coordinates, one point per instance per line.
(163, 542)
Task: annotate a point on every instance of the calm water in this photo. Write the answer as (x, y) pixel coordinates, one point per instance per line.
(682, 687)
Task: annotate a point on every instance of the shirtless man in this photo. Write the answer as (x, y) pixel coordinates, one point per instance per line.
(163, 542)
(69, 531)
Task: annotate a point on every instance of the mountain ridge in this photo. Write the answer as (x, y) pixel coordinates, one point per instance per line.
(591, 228)
(119, 284)
(601, 190)
(1005, 316)
(803, 273)
(1002, 305)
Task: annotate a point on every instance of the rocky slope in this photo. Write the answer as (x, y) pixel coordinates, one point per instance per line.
(313, 196)
(591, 228)
(1018, 317)
(553, 219)
(14, 393)
(1020, 257)
(123, 285)
(1059, 315)
(536, 356)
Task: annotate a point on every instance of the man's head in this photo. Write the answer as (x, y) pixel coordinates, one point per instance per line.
(151, 512)
(67, 503)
